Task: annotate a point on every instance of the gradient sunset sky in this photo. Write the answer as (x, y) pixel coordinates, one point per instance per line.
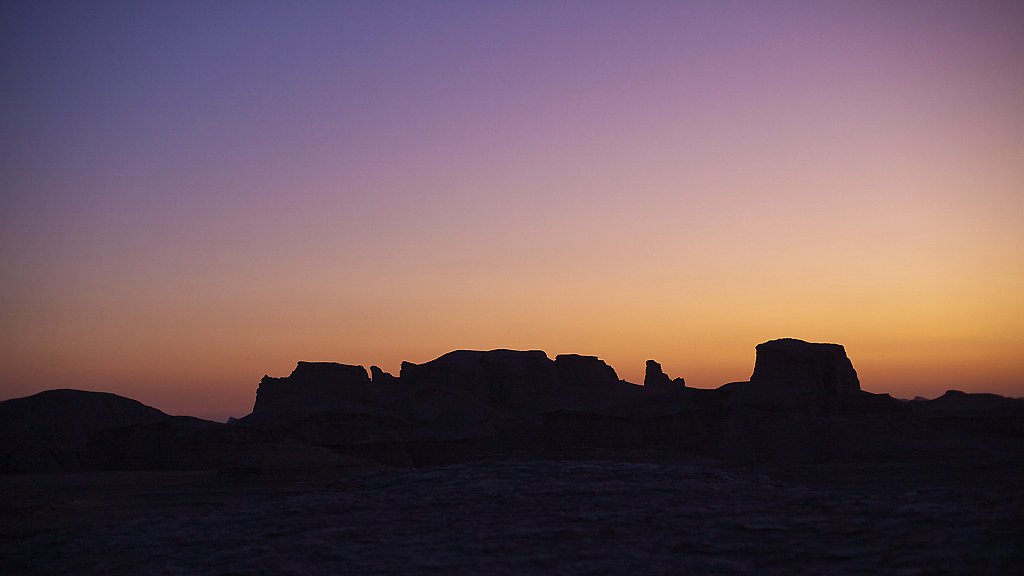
(195, 194)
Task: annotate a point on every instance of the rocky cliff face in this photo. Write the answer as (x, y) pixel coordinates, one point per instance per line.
(379, 376)
(479, 383)
(656, 381)
(313, 387)
(508, 380)
(524, 398)
(494, 397)
(800, 377)
(588, 380)
(802, 403)
(821, 369)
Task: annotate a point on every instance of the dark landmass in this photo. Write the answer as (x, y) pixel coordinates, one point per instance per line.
(598, 512)
(510, 461)
(802, 404)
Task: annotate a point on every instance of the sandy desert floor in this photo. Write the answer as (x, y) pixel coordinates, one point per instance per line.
(599, 515)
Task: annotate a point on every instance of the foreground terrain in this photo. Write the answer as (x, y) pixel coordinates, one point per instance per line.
(510, 462)
(595, 513)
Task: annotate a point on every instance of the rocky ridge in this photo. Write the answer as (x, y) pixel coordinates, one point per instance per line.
(803, 403)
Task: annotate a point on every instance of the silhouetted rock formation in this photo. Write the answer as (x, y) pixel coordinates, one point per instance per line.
(801, 377)
(464, 384)
(822, 369)
(654, 376)
(378, 376)
(588, 380)
(311, 388)
(460, 403)
(507, 380)
(803, 403)
(656, 381)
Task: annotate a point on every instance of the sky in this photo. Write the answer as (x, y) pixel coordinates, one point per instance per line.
(195, 194)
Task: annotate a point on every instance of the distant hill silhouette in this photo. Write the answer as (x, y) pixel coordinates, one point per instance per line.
(803, 403)
(68, 430)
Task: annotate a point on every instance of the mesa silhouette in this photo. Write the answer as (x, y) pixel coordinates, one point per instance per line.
(803, 403)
